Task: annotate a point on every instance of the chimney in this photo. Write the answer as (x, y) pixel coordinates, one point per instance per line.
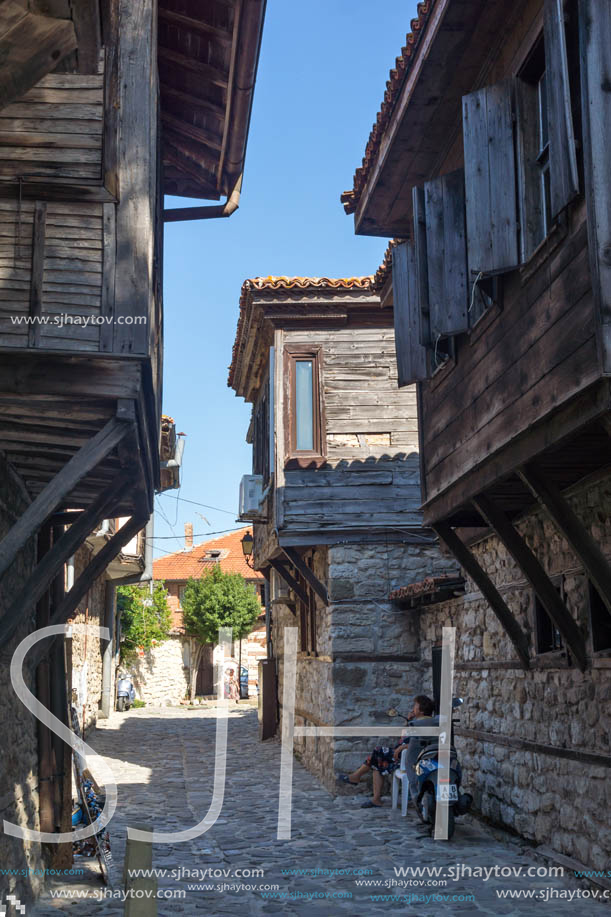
(188, 536)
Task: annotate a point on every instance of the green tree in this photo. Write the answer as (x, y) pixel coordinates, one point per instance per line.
(145, 619)
(217, 600)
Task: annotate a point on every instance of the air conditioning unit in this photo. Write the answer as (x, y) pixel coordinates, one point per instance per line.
(251, 498)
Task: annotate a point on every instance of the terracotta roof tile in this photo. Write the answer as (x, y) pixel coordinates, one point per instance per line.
(435, 588)
(350, 199)
(185, 564)
(287, 283)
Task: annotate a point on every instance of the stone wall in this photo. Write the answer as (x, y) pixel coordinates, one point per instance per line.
(87, 649)
(548, 799)
(368, 651)
(19, 746)
(160, 676)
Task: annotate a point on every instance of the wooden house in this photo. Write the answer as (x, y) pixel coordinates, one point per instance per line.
(106, 107)
(334, 495)
(488, 161)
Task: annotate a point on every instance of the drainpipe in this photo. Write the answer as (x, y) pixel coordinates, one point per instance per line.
(252, 15)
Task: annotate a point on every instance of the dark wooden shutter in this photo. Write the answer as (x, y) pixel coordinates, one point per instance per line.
(422, 279)
(595, 53)
(444, 201)
(564, 182)
(411, 355)
(490, 180)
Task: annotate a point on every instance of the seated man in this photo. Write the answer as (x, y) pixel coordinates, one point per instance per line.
(384, 759)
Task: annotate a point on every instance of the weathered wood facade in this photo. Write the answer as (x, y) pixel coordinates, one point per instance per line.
(362, 477)
(106, 106)
(488, 163)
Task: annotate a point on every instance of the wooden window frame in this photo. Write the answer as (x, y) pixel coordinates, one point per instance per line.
(303, 458)
(556, 652)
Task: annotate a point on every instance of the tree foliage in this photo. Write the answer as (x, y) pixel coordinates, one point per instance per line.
(219, 600)
(143, 623)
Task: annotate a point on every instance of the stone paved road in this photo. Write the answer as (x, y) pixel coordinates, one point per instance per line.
(163, 761)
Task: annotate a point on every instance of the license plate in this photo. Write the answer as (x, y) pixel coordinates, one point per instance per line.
(447, 792)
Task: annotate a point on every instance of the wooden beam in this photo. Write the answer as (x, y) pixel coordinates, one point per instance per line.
(309, 576)
(38, 264)
(66, 480)
(88, 27)
(487, 588)
(94, 569)
(290, 581)
(536, 576)
(581, 542)
(195, 25)
(30, 47)
(214, 108)
(212, 74)
(52, 562)
(199, 134)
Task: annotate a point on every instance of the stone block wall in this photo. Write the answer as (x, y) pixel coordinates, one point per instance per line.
(522, 716)
(367, 650)
(375, 645)
(160, 676)
(19, 801)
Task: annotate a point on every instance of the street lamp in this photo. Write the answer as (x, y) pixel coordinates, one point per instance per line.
(247, 546)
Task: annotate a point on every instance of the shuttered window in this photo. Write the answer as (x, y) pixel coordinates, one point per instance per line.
(544, 177)
(411, 355)
(444, 206)
(490, 180)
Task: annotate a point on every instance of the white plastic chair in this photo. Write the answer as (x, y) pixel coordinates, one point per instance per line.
(401, 782)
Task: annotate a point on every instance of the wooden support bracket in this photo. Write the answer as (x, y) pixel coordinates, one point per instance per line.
(536, 576)
(308, 575)
(56, 490)
(481, 579)
(92, 571)
(52, 562)
(290, 581)
(596, 565)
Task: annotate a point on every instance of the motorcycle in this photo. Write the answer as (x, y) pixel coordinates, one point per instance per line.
(430, 789)
(126, 693)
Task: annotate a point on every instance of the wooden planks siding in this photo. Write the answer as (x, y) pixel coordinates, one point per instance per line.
(372, 475)
(55, 130)
(539, 352)
(71, 273)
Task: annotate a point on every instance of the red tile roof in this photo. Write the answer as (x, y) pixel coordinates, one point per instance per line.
(182, 565)
(435, 588)
(350, 199)
(287, 283)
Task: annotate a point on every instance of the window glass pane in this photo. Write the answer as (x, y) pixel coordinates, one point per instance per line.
(304, 405)
(543, 128)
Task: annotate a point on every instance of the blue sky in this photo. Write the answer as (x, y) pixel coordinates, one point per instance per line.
(322, 75)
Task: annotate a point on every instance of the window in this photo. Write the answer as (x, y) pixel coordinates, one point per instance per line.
(306, 615)
(261, 435)
(303, 409)
(534, 158)
(600, 620)
(181, 595)
(548, 637)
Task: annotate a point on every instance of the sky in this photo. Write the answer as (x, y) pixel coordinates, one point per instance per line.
(321, 79)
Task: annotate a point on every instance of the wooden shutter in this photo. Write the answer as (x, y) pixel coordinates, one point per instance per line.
(444, 201)
(595, 54)
(411, 355)
(422, 279)
(564, 182)
(490, 180)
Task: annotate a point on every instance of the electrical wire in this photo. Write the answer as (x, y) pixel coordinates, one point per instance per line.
(205, 505)
(198, 535)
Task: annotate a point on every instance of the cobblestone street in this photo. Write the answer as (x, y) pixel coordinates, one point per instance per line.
(163, 761)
